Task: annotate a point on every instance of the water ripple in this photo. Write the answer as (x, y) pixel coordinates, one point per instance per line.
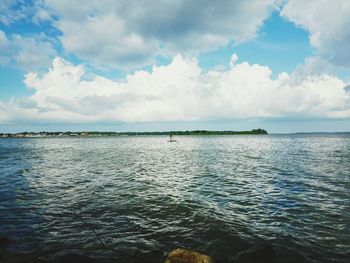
(144, 196)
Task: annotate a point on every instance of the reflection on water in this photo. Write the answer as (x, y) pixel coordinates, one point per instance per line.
(144, 196)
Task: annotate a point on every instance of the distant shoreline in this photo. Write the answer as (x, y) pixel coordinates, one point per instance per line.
(104, 134)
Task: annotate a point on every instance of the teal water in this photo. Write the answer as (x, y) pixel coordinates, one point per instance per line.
(143, 196)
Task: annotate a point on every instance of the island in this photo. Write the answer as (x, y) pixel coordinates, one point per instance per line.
(45, 134)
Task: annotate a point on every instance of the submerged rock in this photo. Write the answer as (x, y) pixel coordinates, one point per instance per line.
(187, 256)
(262, 253)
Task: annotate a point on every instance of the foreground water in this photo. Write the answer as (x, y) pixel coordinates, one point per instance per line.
(143, 196)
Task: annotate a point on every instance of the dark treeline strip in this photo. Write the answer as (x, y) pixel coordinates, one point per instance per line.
(98, 133)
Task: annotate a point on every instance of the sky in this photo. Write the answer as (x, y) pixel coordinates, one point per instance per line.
(281, 65)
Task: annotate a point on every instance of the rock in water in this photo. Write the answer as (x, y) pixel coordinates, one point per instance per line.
(40, 260)
(289, 255)
(263, 253)
(4, 242)
(187, 256)
(72, 258)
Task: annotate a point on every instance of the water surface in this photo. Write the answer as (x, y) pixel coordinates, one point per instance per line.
(143, 196)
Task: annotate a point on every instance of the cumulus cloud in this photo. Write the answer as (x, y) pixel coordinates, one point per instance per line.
(131, 34)
(313, 66)
(328, 23)
(27, 53)
(180, 91)
(106, 41)
(125, 33)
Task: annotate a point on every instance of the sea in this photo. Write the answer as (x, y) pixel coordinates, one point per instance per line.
(135, 198)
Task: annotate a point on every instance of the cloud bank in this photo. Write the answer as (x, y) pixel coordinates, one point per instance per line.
(132, 34)
(129, 33)
(180, 91)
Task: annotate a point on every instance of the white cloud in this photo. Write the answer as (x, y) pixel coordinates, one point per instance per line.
(32, 53)
(313, 66)
(106, 41)
(180, 91)
(27, 53)
(328, 23)
(124, 33)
